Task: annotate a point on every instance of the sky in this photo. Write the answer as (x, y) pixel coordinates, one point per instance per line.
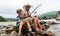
(8, 7)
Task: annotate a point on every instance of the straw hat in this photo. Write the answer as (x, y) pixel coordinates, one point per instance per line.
(27, 5)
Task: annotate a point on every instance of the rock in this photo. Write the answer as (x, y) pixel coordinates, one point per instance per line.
(49, 33)
(3, 35)
(2, 32)
(13, 33)
(45, 27)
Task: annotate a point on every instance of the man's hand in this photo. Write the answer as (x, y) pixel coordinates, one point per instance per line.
(29, 15)
(26, 16)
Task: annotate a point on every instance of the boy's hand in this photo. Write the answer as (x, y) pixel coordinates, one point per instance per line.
(18, 21)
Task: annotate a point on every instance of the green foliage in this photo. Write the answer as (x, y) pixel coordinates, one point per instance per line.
(48, 15)
(2, 18)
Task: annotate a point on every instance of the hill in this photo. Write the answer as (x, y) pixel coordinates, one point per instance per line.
(52, 14)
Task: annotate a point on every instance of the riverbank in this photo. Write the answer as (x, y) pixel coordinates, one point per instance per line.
(54, 28)
(8, 23)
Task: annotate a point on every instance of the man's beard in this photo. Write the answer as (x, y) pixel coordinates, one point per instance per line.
(27, 10)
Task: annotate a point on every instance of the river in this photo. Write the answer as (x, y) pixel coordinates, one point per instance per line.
(56, 29)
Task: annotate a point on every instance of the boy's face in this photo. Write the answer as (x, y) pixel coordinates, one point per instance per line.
(20, 13)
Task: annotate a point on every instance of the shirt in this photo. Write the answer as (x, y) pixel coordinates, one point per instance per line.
(20, 17)
(26, 13)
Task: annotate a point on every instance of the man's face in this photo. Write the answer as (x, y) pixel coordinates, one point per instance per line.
(27, 8)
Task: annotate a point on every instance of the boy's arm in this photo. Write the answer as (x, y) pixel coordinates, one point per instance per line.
(18, 19)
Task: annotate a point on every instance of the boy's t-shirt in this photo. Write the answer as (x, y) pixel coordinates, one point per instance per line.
(24, 13)
(20, 17)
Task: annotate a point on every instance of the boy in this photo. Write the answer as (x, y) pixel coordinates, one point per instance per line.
(21, 20)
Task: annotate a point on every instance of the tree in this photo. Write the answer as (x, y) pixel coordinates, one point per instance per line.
(2, 18)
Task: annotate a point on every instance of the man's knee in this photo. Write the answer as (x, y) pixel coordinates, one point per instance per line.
(34, 18)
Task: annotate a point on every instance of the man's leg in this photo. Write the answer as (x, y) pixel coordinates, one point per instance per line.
(28, 25)
(40, 26)
(36, 23)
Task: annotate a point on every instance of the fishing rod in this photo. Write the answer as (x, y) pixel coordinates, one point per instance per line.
(35, 9)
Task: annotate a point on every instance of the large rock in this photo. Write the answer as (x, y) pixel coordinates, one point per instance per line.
(13, 33)
(3, 35)
(48, 33)
(2, 32)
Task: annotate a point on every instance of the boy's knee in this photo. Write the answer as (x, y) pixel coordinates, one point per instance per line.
(21, 22)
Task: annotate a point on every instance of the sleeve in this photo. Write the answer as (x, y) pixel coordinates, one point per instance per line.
(24, 13)
(17, 18)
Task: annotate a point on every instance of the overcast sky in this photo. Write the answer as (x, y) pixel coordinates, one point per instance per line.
(8, 7)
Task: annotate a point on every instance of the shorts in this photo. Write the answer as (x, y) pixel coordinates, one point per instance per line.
(30, 20)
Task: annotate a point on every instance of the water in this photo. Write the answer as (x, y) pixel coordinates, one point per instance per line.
(7, 23)
(56, 29)
(2, 24)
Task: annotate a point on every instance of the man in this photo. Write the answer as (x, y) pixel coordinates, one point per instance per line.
(33, 19)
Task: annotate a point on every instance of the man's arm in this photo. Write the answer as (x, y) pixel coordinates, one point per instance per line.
(27, 15)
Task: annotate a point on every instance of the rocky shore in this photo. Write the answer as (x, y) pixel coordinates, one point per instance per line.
(11, 30)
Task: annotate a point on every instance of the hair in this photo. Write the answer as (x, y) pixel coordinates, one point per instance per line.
(19, 10)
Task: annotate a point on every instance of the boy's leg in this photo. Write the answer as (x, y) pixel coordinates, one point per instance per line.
(20, 27)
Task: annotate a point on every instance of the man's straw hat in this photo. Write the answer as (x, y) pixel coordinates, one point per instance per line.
(27, 5)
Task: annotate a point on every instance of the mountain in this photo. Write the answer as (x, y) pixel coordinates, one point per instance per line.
(52, 14)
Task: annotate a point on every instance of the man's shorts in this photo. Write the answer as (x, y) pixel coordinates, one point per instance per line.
(30, 20)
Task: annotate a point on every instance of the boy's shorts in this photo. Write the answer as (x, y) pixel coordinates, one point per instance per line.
(29, 19)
